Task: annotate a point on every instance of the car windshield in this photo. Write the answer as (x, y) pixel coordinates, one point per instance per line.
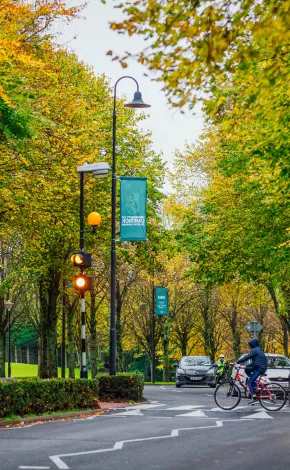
(195, 361)
(278, 362)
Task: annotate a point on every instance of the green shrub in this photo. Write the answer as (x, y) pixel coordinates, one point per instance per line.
(121, 386)
(23, 397)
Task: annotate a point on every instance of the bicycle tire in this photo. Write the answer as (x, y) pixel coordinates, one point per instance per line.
(227, 395)
(276, 403)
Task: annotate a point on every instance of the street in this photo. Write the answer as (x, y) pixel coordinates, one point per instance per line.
(178, 428)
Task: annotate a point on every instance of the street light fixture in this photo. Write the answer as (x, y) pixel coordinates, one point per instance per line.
(137, 102)
(9, 306)
(100, 170)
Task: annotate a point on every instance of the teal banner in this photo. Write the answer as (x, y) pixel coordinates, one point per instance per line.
(133, 197)
(161, 298)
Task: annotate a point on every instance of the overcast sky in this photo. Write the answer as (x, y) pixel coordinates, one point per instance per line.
(170, 129)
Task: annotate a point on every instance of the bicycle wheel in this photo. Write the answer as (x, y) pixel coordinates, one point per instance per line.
(227, 395)
(273, 397)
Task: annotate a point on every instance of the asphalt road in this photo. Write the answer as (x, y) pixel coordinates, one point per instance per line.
(178, 429)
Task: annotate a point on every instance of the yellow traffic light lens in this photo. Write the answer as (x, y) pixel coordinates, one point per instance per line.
(80, 282)
(78, 259)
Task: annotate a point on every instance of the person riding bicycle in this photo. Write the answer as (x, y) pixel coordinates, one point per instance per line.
(257, 367)
(220, 368)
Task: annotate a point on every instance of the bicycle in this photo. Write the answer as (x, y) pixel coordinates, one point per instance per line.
(271, 396)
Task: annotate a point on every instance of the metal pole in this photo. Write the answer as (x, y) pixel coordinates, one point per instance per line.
(254, 329)
(9, 351)
(113, 367)
(113, 252)
(153, 335)
(63, 332)
(82, 241)
(84, 371)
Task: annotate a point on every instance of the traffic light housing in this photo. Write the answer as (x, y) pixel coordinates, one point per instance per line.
(82, 259)
(82, 282)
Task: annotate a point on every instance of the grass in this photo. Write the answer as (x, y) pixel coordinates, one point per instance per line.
(31, 370)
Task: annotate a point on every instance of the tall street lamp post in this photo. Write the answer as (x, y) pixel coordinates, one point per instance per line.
(100, 170)
(137, 102)
(9, 305)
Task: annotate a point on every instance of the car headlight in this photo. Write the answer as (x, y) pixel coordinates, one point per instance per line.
(180, 371)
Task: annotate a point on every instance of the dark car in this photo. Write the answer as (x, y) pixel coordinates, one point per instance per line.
(192, 370)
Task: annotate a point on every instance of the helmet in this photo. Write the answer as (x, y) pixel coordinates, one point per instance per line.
(222, 356)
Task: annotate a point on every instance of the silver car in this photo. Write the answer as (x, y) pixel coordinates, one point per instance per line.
(192, 370)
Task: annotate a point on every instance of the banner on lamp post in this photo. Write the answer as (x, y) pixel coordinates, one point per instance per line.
(161, 299)
(133, 196)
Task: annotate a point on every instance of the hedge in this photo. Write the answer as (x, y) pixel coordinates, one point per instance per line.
(121, 386)
(22, 397)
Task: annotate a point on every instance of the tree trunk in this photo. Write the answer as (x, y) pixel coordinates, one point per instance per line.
(93, 338)
(70, 341)
(15, 353)
(27, 355)
(2, 352)
(236, 337)
(48, 294)
(165, 347)
(285, 338)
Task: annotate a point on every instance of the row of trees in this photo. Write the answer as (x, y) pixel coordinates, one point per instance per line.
(219, 242)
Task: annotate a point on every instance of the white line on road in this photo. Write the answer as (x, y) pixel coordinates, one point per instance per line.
(34, 468)
(183, 408)
(57, 460)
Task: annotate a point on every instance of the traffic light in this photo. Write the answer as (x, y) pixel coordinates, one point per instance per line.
(82, 282)
(82, 259)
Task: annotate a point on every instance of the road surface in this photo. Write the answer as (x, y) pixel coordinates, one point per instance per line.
(177, 429)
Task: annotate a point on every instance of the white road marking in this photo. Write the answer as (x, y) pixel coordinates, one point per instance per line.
(183, 408)
(56, 459)
(208, 395)
(238, 408)
(136, 412)
(145, 406)
(196, 414)
(35, 468)
(260, 415)
(159, 417)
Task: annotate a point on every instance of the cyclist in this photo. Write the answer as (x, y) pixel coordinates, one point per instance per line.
(220, 368)
(257, 367)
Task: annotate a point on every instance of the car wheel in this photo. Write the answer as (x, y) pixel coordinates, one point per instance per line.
(212, 385)
(178, 385)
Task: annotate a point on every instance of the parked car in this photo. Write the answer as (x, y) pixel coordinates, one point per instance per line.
(192, 369)
(278, 370)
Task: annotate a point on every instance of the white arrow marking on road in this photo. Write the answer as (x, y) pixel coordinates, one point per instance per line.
(183, 408)
(260, 415)
(129, 413)
(196, 414)
(145, 406)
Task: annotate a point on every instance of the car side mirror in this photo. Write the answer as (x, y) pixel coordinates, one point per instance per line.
(175, 365)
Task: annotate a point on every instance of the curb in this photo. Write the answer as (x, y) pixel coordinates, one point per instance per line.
(66, 416)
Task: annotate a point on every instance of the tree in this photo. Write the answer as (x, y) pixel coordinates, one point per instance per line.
(191, 44)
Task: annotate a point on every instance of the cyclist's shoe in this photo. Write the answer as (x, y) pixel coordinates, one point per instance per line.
(253, 401)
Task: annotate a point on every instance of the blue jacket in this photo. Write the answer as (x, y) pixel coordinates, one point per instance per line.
(259, 359)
